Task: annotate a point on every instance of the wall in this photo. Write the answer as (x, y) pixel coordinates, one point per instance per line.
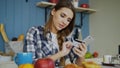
(104, 26)
(19, 15)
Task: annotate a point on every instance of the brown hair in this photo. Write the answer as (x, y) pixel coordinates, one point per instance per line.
(66, 31)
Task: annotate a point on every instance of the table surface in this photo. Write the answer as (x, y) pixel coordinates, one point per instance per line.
(110, 66)
(13, 65)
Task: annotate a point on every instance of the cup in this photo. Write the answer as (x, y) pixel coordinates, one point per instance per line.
(107, 59)
(75, 4)
(23, 58)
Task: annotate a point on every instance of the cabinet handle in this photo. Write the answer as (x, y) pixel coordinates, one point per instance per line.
(26, 0)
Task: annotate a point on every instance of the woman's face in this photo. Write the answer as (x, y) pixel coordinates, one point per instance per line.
(61, 18)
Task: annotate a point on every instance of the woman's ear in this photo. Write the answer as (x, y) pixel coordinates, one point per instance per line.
(53, 12)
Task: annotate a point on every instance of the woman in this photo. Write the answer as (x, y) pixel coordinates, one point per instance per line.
(52, 41)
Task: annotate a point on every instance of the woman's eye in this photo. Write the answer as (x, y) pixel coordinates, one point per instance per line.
(69, 20)
(62, 15)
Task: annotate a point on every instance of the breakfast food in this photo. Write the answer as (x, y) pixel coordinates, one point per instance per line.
(87, 64)
(73, 66)
(21, 37)
(4, 35)
(91, 64)
(44, 63)
(26, 66)
(95, 54)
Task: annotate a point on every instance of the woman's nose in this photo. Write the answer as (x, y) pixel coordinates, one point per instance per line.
(65, 22)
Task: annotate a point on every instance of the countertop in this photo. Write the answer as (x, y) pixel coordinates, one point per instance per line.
(9, 64)
(12, 64)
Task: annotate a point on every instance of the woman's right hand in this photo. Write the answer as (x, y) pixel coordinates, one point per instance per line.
(66, 48)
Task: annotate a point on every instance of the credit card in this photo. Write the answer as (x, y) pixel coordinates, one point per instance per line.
(88, 40)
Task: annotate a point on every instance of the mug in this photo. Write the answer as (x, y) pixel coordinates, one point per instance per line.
(75, 4)
(23, 58)
(107, 59)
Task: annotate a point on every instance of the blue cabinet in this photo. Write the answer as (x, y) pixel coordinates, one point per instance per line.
(19, 15)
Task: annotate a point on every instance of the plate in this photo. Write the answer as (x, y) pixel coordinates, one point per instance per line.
(110, 64)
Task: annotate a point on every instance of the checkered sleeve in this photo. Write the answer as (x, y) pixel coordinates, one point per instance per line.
(72, 55)
(30, 41)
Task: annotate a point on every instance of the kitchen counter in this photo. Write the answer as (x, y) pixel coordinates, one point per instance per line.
(110, 66)
(100, 60)
(10, 64)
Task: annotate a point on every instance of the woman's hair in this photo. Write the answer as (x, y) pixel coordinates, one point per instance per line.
(66, 31)
(62, 34)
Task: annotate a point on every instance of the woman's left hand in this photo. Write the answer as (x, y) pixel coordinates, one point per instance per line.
(80, 50)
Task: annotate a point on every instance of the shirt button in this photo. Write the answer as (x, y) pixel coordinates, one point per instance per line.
(56, 64)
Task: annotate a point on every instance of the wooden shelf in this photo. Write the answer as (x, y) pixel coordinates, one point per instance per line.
(78, 9)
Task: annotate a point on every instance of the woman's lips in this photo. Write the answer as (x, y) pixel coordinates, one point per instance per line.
(61, 26)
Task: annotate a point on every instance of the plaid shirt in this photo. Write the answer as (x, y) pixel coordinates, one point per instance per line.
(42, 46)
